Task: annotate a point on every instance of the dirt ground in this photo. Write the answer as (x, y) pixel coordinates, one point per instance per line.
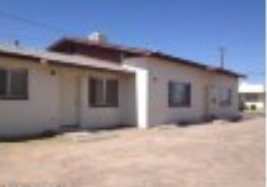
(210, 155)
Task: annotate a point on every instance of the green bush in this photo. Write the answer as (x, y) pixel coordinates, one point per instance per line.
(253, 107)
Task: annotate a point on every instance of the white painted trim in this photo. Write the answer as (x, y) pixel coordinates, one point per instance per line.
(141, 85)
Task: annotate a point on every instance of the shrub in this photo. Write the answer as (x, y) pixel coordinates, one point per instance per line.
(253, 107)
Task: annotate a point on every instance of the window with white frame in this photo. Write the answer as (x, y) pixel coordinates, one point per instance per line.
(179, 94)
(103, 92)
(13, 83)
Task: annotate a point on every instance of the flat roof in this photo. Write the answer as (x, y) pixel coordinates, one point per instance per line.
(251, 88)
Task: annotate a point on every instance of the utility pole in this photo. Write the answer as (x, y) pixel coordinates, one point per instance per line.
(221, 53)
(17, 43)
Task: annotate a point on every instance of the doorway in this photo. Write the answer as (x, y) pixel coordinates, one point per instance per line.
(70, 100)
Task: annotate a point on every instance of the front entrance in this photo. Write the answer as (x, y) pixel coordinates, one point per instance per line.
(210, 102)
(70, 100)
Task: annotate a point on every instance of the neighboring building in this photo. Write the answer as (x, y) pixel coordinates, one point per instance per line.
(89, 83)
(252, 96)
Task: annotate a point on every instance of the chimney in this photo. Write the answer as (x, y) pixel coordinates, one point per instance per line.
(97, 37)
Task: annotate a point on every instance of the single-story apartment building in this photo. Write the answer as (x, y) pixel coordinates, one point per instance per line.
(252, 96)
(91, 83)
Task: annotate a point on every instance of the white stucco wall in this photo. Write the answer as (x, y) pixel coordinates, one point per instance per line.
(258, 90)
(128, 100)
(160, 72)
(143, 96)
(141, 91)
(40, 111)
(259, 106)
(107, 116)
(50, 106)
(218, 82)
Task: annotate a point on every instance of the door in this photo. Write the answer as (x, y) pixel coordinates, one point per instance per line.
(210, 101)
(70, 99)
(206, 101)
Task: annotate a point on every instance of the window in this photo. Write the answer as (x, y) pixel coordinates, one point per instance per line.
(252, 97)
(13, 83)
(226, 97)
(103, 92)
(179, 94)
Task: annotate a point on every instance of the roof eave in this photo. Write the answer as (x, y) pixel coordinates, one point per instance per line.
(60, 62)
(148, 53)
(227, 72)
(57, 43)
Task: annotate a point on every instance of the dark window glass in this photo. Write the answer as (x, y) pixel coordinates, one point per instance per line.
(112, 94)
(100, 92)
(92, 91)
(96, 92)
(3, 82)
(13, 84)
(103, 92)
(253, 97)
(179, 94)
(18, 83)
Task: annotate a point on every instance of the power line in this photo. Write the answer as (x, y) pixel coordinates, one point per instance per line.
(31, 22)
(60, 30)
(255, 75)
(35, 37)
(255, 72)
(259, 73)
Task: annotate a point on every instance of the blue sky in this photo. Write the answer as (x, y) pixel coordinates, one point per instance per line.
(190, 29)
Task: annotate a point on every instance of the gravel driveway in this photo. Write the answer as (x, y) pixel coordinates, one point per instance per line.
(210, 155)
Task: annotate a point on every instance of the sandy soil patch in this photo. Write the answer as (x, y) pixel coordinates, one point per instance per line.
(222, 155)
